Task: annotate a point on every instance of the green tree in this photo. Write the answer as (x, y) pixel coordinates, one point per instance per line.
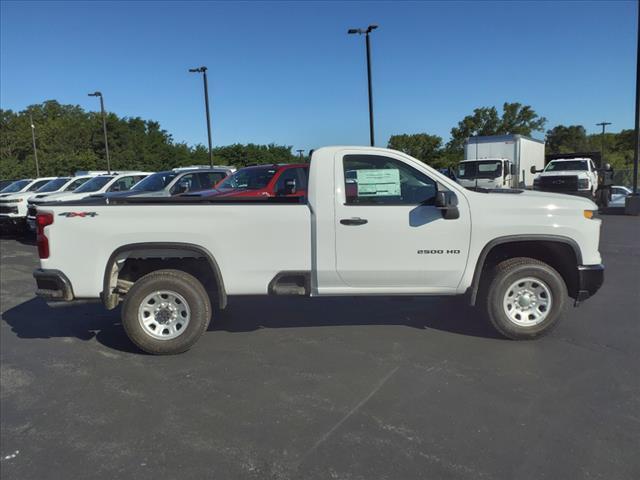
(422, 146)
(565, 139)
(70, 139)
(515, 119)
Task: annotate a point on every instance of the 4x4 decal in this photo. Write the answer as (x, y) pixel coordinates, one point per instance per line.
(78, 214)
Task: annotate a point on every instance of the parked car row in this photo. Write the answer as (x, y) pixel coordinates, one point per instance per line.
(19, 200)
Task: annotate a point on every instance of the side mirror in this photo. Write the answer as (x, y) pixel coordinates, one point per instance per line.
(607, 167)
(533, 170)
(447, 203)
(289, 187)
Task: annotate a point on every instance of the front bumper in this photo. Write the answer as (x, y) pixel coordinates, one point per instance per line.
(53, 285)
(578, 193)
(590, 279)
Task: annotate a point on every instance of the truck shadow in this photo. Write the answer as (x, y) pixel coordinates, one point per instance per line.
(35, 319)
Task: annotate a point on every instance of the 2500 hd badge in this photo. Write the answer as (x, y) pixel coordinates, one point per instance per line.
(438, 252)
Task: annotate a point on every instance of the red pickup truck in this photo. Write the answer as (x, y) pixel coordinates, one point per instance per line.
(288, 180)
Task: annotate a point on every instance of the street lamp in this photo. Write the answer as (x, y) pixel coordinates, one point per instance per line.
(366, 32)
(33, 139)
(603, 125)
(203, 70)
(632, 202)
(104, 128)
(300, 152)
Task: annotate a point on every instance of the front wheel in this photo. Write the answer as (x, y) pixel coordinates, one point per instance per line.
(526, 298)
(166, 311)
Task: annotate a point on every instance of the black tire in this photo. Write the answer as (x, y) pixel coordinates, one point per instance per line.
(182, 283)
(504, 276)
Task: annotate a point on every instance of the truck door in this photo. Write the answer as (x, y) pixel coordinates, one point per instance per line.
(389, 232)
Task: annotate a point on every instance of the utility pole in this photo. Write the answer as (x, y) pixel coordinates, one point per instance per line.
(366, 33)
(603, 125)
(33, 139)
(632, 202)
(300, 152)
(104, 128)
(203, 70)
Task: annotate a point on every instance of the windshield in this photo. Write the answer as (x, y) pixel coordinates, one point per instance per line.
(481, 169)
(15, 186)
(93, 185)
(53, 185)
(154, 183)
(567, 165)
(249, 178)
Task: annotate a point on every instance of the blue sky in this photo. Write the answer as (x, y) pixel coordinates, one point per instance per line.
(287, 72)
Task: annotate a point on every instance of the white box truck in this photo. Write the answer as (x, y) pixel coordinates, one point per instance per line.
(500, 161)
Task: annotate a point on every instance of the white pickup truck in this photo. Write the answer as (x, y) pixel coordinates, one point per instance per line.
(576, 176)
(375, 222)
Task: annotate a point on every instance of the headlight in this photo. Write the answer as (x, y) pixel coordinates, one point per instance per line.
(583, 183)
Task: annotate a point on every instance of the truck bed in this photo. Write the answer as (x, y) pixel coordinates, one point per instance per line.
(254, 239)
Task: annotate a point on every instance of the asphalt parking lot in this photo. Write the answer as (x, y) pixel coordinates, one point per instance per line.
(324, 388)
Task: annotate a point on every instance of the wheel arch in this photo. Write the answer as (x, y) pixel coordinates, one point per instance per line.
(169, 250)
(545, 248)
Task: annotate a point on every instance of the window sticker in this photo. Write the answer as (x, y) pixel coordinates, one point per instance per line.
(378, 183)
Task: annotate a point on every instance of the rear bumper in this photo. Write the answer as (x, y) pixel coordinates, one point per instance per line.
(53, 285)
(590, 279)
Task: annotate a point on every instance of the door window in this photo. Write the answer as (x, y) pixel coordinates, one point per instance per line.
(190, 179)
(37, 185)
(210, 179)
(75, 184)
(288, 174)
(379, 180)
(303, 174)
(123, 184)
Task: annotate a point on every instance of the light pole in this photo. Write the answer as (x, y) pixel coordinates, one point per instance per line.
(300, 152)
(632, 202)
(33, 139)
(603, 125)
(104, 128)
(203, 70)
(366, 32)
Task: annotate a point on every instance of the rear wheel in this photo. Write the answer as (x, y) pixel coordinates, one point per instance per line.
(166, 312)
(526, 298)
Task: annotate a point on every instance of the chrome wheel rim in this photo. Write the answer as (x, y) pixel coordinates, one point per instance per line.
(527, 302)
(164, 315)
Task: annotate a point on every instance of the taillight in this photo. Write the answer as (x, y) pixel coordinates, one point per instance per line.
(42, 220)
